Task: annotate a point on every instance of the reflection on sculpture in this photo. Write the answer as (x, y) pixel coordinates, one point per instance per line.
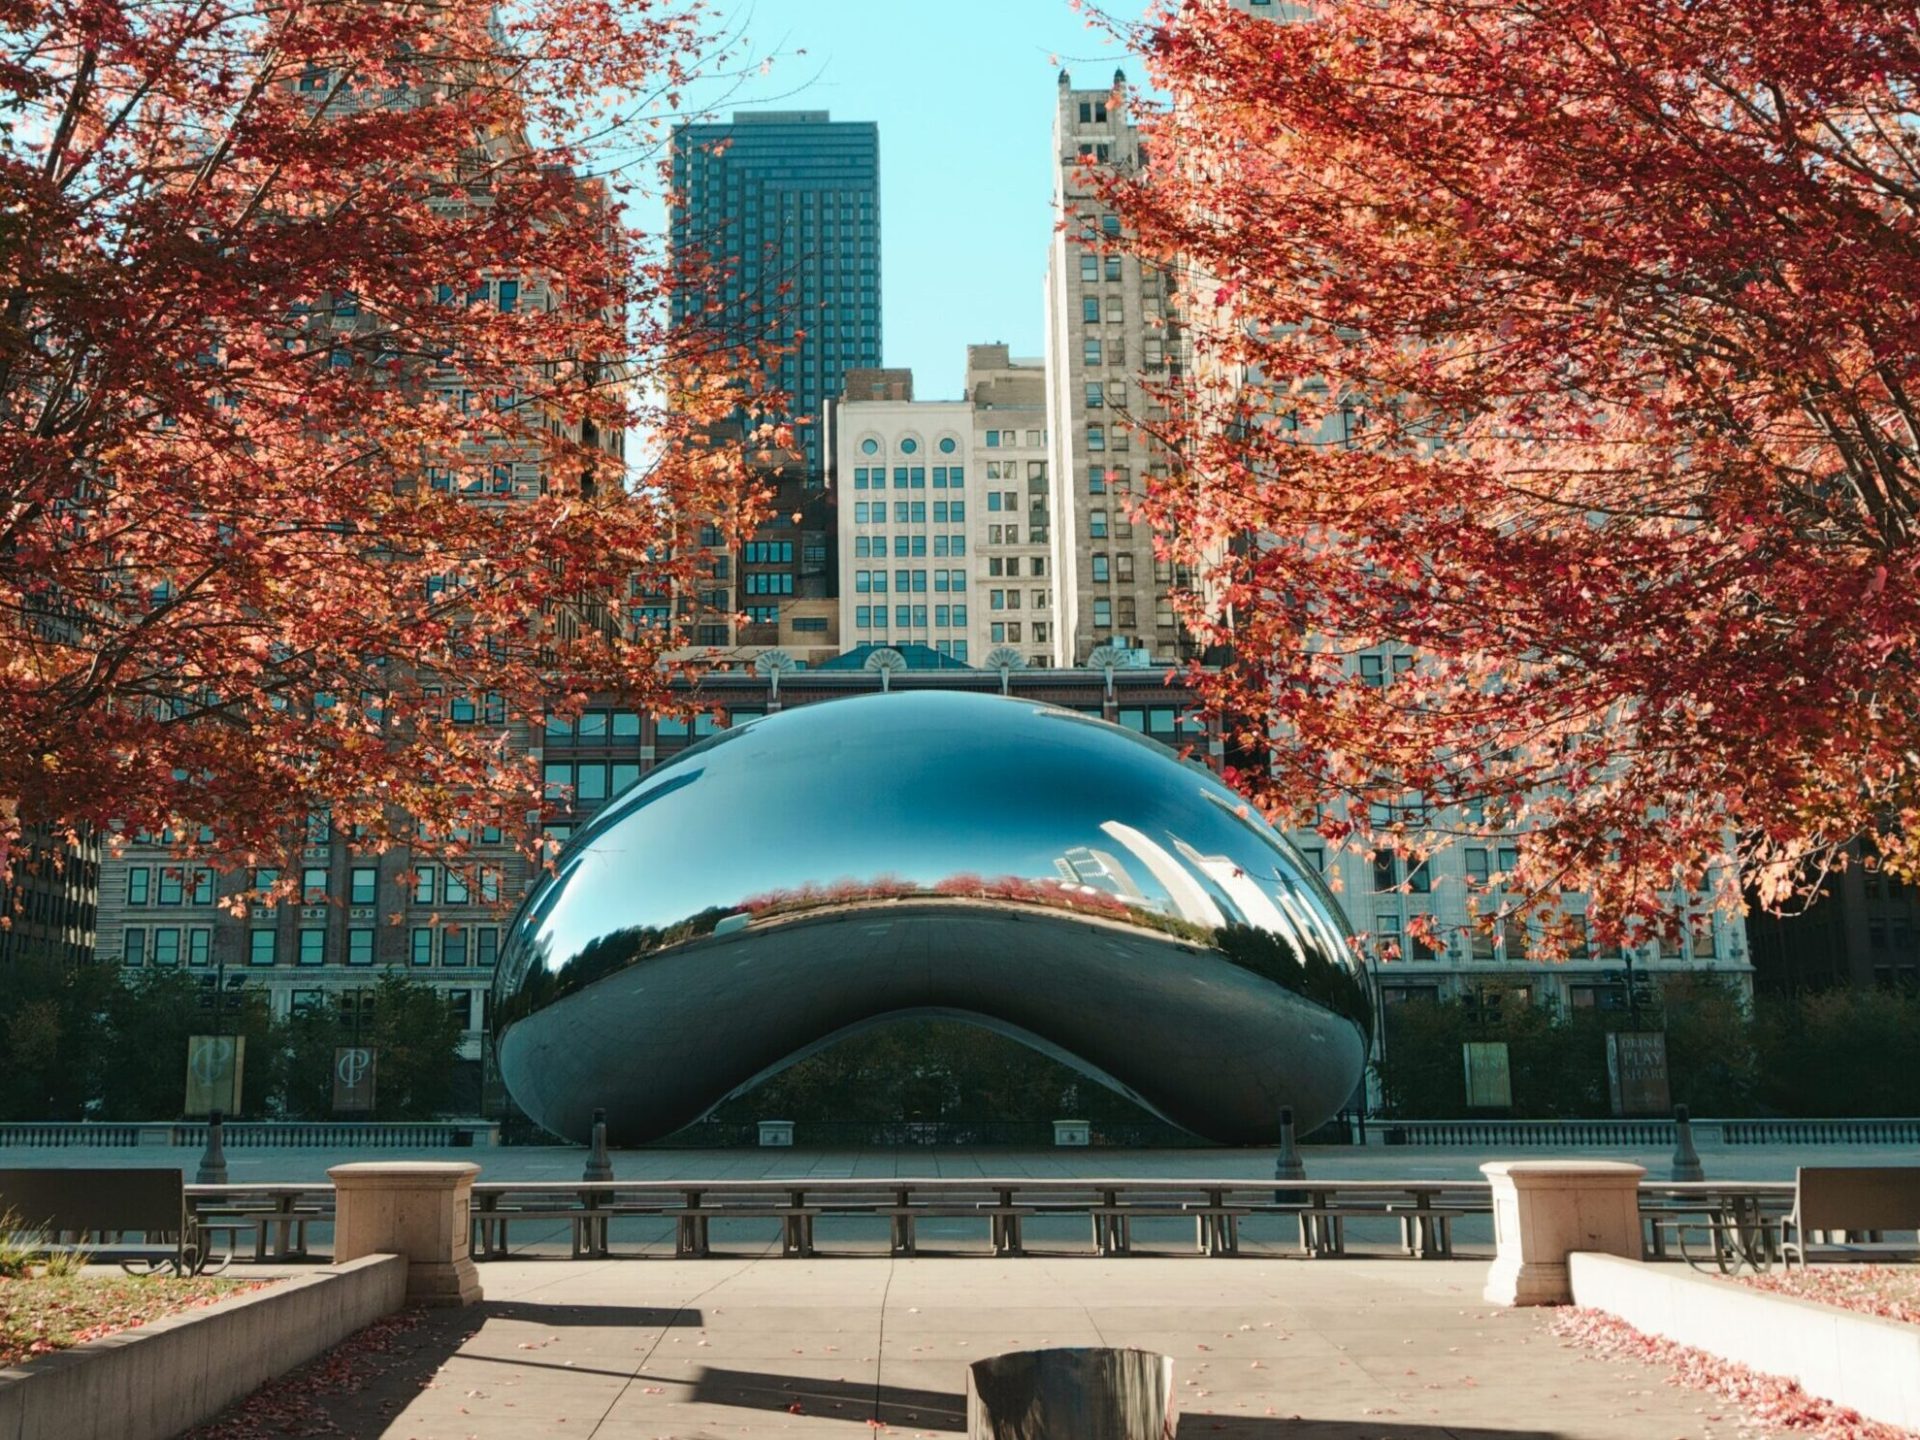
(1030, 869)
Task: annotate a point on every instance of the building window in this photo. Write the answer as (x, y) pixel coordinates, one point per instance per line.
(364, 886)
(313, 886)
(456, 884)
(453, 948)
(166, 946)
(1090, 350)
(313, 947)
(423, 886)
(421, 946)
(261, 947)
(133, 945)
(1386, 870)
(170, 887)
(1097, 524)
(360, 947)
(1478, 870)
(1103, 614)
(486, 947)
(137, 882)
(199, 946)
(1100, 568)
(1515, 934)
(1704, 947)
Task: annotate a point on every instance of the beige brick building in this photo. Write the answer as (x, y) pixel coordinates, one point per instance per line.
(1106, 329)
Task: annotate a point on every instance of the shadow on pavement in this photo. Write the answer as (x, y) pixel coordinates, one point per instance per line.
(945, 1411)
(599, 1317)
(831, 1399)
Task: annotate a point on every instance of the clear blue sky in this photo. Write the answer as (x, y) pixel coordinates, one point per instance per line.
(963, 91)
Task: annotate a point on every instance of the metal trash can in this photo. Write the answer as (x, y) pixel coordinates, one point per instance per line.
(1072, 1395)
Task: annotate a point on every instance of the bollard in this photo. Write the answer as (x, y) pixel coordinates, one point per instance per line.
(1066, 1394)
(1686, 1159)
(599, 1163)
(213, 1160)
(1288, 1166)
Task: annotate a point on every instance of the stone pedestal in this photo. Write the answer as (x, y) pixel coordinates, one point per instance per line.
(420, 1210)
(1544, 1210)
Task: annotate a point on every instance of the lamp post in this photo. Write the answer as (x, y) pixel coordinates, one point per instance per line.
(219, 1030)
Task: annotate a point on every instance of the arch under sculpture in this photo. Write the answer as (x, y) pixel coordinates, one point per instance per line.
(1035, 870)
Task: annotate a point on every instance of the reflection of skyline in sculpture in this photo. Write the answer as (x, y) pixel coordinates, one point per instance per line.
(1044, 874)
(1083, 865)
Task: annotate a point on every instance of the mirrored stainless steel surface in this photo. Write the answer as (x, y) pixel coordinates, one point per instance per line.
(1031, 869)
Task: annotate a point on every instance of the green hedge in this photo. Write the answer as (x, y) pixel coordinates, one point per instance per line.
(92, 1041)
(1835, 1053)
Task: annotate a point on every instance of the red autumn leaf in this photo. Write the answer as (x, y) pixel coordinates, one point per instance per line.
(1567, 356)
(318, 353)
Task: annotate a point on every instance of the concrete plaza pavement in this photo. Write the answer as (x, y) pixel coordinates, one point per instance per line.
(1263, 1350)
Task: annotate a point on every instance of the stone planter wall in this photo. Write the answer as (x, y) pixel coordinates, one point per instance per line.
(153, 1382)
(1861, 1361)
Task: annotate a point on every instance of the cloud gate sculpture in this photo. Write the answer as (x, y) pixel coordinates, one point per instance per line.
(1037, 871)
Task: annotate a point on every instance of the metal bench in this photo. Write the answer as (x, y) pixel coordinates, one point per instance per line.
(1851, 1200)
(80, 1203)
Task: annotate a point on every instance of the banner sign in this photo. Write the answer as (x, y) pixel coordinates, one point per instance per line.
(1489, 1079)
(215, 1067)
(1637, 1072)
(353, 1067)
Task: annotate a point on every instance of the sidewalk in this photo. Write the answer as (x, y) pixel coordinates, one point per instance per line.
(1358, 1350)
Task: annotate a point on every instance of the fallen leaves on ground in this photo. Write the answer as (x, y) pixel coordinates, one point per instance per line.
(44, 1313)
(301, 1402)
(1890, 1291)
(1771, 1401)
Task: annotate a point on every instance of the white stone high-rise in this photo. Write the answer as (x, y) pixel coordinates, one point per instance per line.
(906, 479)
(1106, 330)
(1013, 612)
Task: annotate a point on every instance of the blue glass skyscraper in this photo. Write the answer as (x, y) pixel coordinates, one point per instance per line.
(785, 205)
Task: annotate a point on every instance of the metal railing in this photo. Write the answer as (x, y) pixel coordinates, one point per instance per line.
(1309, 1217)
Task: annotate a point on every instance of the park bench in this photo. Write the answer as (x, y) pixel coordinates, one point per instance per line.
(1851, 1200)
(1739, 1225)
(81, 1203)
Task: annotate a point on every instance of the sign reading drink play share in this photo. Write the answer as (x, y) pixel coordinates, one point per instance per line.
(1637, 1072)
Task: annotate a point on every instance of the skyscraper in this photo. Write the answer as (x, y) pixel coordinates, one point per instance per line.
(1107, 316)
(785, 206)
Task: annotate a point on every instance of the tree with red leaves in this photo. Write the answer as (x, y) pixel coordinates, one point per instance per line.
(322, 329)
(1561, 358)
